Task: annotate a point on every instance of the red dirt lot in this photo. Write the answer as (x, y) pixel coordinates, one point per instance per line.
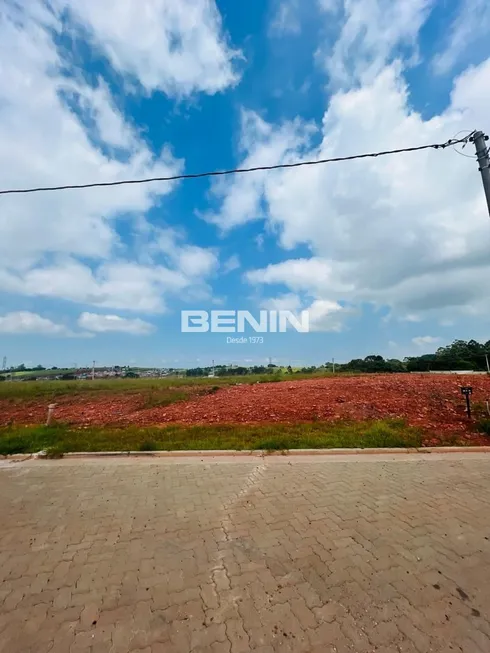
(431, 402)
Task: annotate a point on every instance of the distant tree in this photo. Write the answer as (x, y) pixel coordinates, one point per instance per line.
(374, 363)
(356, 364)
(419, 363)
(394, 365)
(196, 371)
(459, 355)
(290, 369)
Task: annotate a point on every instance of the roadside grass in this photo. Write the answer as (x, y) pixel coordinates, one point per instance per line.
(28, 390)
(61, 439)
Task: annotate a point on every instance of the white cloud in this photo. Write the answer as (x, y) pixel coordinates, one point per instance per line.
(43, 142)
(176, 46)
(118, 284)
(468, 33)
(191, 260)
(410, 317)
(56, 129)
(329, 5)
(231, 264)
(114, 323)
(314, 276)
(409, 231)
(24, 322)
(259, 242)
(196, 261)
(422, 341)
(286, 19)
(97, 105)
(324, 315)
(285, 302)
(263, 145)
(372, 33)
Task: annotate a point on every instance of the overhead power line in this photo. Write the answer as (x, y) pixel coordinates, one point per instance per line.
(234, 171)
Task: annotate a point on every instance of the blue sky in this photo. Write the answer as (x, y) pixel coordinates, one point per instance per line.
(389, 256)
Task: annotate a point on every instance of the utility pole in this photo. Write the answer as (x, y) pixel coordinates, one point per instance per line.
(480, 140)
(93, 371)
(333, 365)
(488, 364)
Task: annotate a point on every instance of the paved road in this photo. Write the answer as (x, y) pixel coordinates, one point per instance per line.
(358, 554)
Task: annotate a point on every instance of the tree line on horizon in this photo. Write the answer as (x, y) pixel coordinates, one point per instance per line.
(460, 355)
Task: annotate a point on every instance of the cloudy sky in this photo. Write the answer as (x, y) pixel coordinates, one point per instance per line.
(390, 255)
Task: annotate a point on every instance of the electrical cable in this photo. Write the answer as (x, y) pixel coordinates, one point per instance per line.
(466, 138)
(218, 173)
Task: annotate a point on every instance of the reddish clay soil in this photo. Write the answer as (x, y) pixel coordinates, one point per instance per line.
(102, 409)
(433, 403)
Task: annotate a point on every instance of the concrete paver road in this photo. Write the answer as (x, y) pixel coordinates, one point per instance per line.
(338, 554)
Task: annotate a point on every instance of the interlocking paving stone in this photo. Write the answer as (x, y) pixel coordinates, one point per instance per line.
(263, 554)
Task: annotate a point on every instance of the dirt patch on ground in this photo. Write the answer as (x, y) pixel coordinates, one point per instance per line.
(97, 409)
(433, 403)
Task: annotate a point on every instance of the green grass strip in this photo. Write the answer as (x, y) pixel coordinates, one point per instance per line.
(312, 435)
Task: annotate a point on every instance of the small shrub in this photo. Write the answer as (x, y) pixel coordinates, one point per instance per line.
(272, 379)
(53, 453)
(148, 445)
(483, 426)
(274, 444)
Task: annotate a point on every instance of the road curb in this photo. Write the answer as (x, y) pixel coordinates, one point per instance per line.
(220, 453)
(231, 453)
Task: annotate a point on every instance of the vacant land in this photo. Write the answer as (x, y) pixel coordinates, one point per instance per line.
(220, 413)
